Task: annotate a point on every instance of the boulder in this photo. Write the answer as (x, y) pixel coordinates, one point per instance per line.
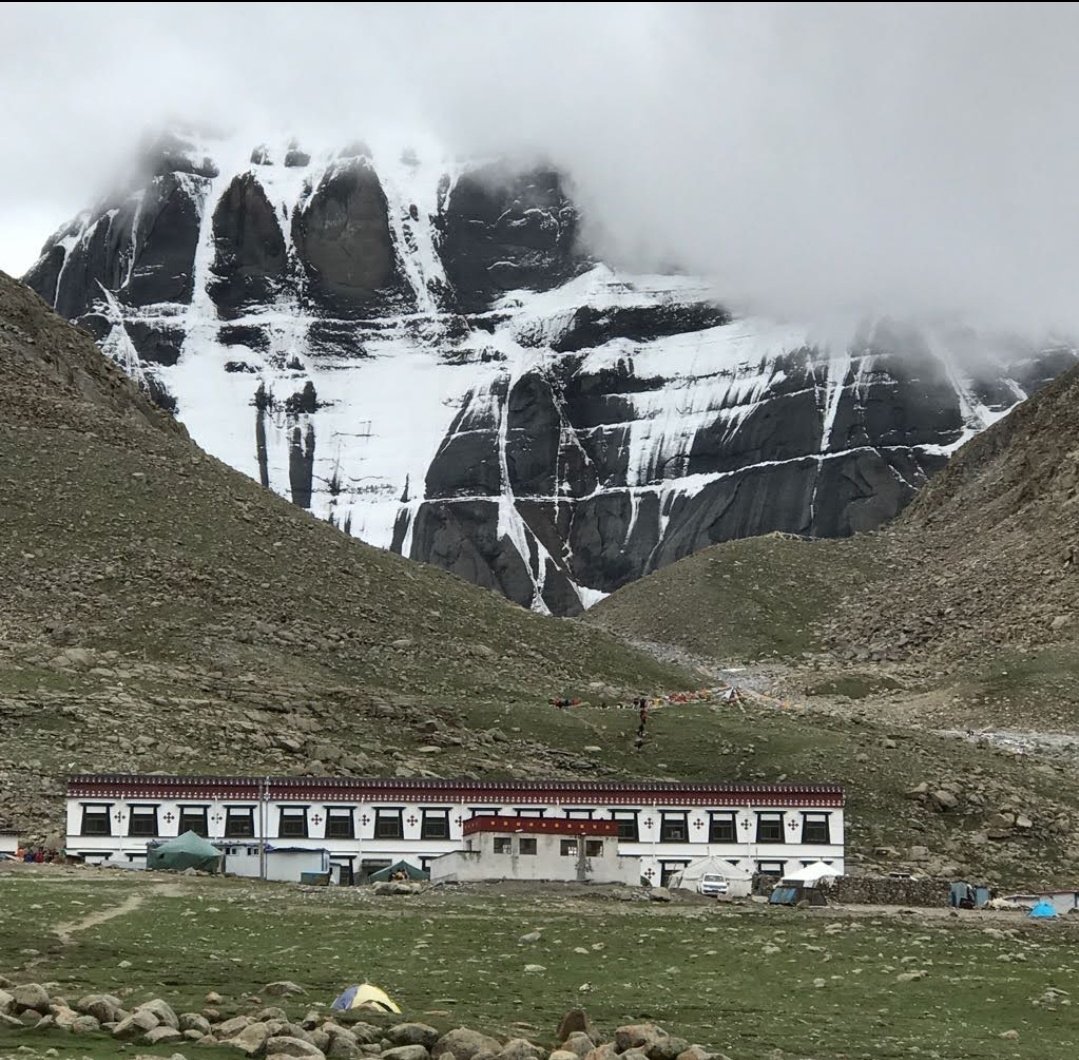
(251, 1040)
(30, 995)
(638, 1036)
(698, 1052)
(573, 1022)
(943, 800)
(230, 1028)
(412, 1034)
(285, 1047)
(606, 1051)
(213, 998)
(272, 1012)
(562, 1054)
(407, 1052)
(164, 1012)
(669, 1048)
(464, 1044)
(521, 1049)
(103, 1007)
(85, 1025)
(343, 1043)
(135, 1025)
(284, 988)
(659, 894)
(578, 1043)
(193, 1021)
(163, 1036)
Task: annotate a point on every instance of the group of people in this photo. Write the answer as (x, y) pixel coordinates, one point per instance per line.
(35, 857)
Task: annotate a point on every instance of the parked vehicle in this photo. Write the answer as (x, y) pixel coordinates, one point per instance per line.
(712, 884)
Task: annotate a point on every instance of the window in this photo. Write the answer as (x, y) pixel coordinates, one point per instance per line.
(627, 824)
(527, 846)
(96, 821)
(193, 819)
(240, 822)
(530, 811)
(672, 828)
(436, 824)
(815, 828)
(388, 823)
(143, 821)
(503, 844)
(721, 828)
(483, 811)
(568, 848)
(340, 822)
(593, 848)
(579, 815)
(769, 828)
(772, 868)
(292, 823)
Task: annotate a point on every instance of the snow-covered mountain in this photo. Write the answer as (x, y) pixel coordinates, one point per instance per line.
(421, 352)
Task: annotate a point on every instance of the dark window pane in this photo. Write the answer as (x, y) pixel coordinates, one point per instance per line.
(143, 821)
(503, 844)
(568, 848)
(770, 828)
(528, 846)
(96, 820)
(627, 828)
(435, 825)
(593, 848)
(340, 824)
(193, 819)
(293, 824)
(673, 829)
(815, 830)
(240, 823)
(721, 829)
(388, 824)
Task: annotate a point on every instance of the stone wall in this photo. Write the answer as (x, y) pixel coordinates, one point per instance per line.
(883, 890)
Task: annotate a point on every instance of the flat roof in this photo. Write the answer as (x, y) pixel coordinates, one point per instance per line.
(500, 792)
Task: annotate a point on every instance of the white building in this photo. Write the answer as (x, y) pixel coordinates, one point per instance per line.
(526, 848)
(285, 864)
(367, 824)
(9, 841)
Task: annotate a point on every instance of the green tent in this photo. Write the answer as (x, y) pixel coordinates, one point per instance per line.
(410, 871)
(187, 851)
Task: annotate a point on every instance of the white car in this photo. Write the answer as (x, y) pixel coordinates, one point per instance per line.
(712, 884)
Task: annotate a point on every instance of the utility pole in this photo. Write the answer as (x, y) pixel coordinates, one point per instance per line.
(264, 785)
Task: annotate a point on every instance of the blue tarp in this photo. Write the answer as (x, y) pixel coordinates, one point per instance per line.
(1043, 910)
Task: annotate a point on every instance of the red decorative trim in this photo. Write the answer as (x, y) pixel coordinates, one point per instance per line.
(540, 825)
(504, 792)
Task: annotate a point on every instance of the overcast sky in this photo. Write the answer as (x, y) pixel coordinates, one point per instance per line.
(813, 158)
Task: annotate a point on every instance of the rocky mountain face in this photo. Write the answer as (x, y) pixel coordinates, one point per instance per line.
(422, 353)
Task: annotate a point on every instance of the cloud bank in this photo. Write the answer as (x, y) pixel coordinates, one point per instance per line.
(815, 159)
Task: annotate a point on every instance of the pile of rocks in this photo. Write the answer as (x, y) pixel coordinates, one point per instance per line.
(270, 1032)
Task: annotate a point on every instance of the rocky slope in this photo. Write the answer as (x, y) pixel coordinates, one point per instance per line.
(422, 353)
(160, 607)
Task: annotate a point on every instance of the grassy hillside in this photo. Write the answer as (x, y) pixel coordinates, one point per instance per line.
(759, 597)
(163, 611)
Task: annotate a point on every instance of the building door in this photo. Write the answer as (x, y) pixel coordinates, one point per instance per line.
(667, 869)
(372, 865)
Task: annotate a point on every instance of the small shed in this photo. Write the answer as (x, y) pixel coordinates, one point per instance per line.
(283, 864)
(9, 841)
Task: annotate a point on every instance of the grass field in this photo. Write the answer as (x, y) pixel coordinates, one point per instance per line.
(751, 981)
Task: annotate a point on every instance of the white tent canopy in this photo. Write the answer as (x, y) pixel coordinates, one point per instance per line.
(814, 873)
(688, 877)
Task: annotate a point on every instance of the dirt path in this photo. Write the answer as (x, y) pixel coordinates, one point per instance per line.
(66, 930)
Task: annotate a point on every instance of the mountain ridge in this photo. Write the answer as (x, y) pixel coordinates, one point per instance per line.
(423, 353)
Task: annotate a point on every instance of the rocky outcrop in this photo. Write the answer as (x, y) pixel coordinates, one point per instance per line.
(423, 354)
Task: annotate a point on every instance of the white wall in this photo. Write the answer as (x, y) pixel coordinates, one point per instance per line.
(548, 863)
(9, 842)
(283, 866)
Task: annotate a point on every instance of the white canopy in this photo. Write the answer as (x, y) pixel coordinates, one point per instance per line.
(814, 873)
(708, 866)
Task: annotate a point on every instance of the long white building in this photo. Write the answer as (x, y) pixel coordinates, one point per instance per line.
(367, 824)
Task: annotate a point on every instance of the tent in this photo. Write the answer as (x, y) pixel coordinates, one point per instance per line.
(363, 995)
(1043, 910)
(187, 851)
(410, 871)
(687, 879)
(813, 875)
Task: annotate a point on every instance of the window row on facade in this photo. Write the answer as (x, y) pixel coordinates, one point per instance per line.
(295, 822)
